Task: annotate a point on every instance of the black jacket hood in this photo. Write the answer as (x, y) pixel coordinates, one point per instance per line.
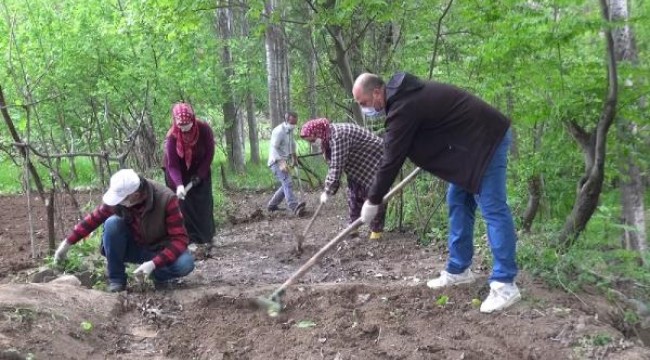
(401, 84)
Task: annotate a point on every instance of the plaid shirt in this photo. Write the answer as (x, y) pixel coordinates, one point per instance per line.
(355, 151)
(173, 221)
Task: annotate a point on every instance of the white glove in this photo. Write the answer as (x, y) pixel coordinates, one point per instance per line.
(145, 269)
(323, 197)
(62, 252)
(283, 166)
(368, 212)
(180, 192)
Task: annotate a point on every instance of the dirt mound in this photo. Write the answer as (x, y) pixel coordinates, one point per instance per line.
(55, 320)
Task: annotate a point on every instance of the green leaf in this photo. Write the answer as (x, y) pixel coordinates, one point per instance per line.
(442, 300)
(86, 326)
(305, 324)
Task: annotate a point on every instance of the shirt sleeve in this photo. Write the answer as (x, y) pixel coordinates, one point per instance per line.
(90, 223)
(173, 162)
(340, 147)
(400, 131)
(178, 239)
(204, 168)
(274, 146)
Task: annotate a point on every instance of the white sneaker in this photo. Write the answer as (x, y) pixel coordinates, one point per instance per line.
(447, 279)
(502, 295)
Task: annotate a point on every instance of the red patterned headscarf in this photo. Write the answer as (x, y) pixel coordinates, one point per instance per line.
(320, 129)
(182, 114)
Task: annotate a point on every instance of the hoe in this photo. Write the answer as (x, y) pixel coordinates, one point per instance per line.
(274, 304)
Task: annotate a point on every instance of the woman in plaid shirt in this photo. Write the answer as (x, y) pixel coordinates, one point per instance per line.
(352, 150)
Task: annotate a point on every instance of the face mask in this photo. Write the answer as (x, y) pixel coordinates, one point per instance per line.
(289, 127)
(130, 201)
(186, 127)
(318, 142)
(370, 111)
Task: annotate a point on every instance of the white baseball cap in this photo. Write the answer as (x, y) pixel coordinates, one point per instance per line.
(123, 183)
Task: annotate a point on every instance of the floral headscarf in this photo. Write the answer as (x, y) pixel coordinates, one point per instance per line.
(320, 129)
(183, 114)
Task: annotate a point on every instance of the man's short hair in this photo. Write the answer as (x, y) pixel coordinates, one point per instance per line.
(372, 82)
(290, 114)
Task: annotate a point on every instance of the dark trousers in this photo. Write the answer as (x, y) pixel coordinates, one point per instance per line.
(357, 195)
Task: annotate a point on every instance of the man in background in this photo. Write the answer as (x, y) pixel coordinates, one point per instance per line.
(282, 154)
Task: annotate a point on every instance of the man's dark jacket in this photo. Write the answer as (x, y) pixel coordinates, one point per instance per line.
(441, 128)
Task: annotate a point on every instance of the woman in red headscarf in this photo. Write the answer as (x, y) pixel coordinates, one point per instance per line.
(188, 153)
(352, 150)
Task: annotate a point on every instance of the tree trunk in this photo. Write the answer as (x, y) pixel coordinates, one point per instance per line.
(632, 195)
(343, 63)
(234, 144)
(535, 184)
(22, 149)
(312, 68)
(594, 145)
(253, 138)
(534, 198)
(277, 66)
(146, 143)
(632, 189)
(312, 76)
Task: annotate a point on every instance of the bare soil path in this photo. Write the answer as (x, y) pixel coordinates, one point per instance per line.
(365, 300)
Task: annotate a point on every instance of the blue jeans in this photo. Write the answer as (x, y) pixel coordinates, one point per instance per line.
(120, 248)
(492, 200)
(285, 190)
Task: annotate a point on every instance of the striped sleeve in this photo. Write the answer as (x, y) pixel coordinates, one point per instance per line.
(178, 239)
(90, 223)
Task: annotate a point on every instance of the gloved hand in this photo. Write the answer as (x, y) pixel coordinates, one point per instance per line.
(282, 165)
(323, 197)
(62, 251)
(180, 192)
(145, 269)
(195, 181)
(368, 212)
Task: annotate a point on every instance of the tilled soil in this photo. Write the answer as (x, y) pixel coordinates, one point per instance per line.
(364, 300)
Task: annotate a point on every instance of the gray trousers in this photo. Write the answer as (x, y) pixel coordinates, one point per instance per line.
(285, 191)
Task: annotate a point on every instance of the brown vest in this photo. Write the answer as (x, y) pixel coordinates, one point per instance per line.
(153, 229)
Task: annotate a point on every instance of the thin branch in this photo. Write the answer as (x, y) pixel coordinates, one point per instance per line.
(578, 133)
(609, 111)
(463, 32)
(361, 33)
(8, 106)
(230, 5)
(102, 155)
(559, 280)
(396, 43)
(438, 35)
(311, 5)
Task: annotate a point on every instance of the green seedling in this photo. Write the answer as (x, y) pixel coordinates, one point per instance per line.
(442, 300)
(305, 324)
(86, 326)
